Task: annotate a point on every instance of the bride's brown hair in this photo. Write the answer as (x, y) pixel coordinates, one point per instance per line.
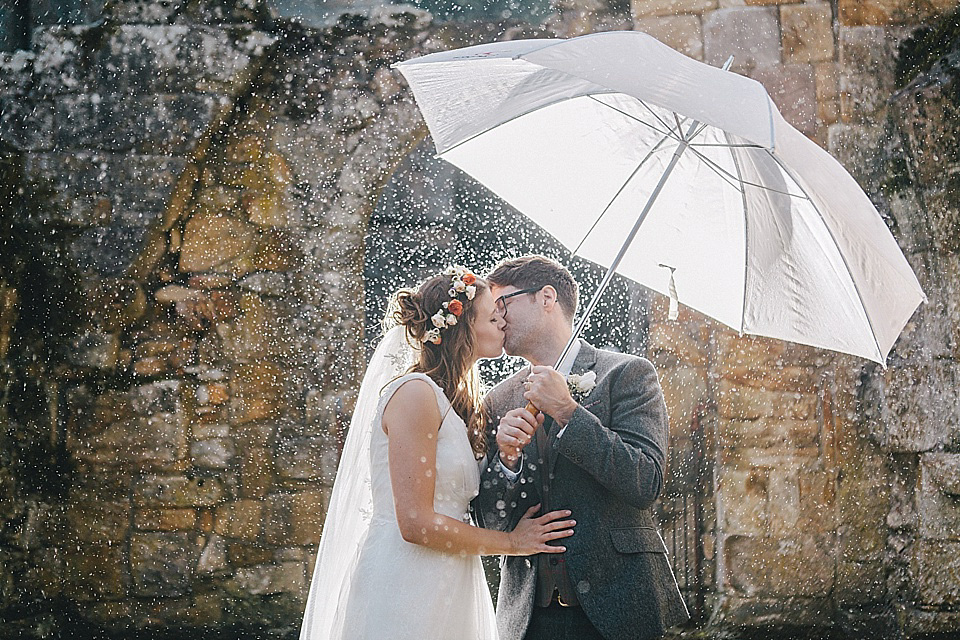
(451, 364)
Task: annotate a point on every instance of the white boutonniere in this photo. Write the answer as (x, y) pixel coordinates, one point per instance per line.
(581, 385)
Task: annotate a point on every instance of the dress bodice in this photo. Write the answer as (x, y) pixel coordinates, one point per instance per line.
(457, 470)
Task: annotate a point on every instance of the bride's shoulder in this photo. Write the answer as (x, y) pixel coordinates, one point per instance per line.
(410, 388)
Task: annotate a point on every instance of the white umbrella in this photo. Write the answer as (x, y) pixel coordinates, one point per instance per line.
(677, 175)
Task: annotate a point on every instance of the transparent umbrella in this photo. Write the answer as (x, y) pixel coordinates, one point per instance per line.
(681, 176)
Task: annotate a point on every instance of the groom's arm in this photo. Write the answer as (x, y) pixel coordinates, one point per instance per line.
(626, 456)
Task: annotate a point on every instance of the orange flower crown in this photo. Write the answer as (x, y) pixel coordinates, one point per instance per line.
(461, 282)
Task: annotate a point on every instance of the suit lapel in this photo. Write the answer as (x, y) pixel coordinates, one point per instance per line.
(585, 361)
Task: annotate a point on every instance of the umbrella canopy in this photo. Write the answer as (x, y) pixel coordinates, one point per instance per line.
(749, 222)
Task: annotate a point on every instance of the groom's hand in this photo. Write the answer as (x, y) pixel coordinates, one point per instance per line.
(548, 391)
(514, 433)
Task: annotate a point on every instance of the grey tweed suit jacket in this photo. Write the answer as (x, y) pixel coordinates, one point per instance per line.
(608, 470)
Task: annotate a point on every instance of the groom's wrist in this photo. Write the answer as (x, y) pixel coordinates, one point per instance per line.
(509, 465)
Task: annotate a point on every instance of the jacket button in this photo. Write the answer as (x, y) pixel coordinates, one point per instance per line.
(554, 561)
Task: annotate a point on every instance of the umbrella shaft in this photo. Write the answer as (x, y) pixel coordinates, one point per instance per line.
(626, 245)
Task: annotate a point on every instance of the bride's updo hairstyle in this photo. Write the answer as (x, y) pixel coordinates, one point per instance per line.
(445, 354)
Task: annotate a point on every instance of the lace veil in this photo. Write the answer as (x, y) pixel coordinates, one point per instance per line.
(351, 504)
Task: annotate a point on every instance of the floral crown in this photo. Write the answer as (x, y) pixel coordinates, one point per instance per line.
(461, 282)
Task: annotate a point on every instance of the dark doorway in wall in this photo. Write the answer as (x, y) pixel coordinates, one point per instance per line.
(432, 215)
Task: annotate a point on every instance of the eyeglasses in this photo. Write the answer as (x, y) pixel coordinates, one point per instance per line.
(501, 302)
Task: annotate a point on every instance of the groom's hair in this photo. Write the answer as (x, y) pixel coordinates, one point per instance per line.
(531, 271)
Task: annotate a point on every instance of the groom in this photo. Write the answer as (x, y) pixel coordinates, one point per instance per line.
(598, 450)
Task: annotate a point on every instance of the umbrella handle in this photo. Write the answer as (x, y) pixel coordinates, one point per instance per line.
(532, 408)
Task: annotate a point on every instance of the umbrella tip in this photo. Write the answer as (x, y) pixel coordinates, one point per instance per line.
(728, 64)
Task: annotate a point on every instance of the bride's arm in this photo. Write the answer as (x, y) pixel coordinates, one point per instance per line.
(412, 420)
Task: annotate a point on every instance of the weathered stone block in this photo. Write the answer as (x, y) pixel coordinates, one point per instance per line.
(26, 125)
(670, 344)
(866, 79)
(178, 59)
(162, 396)
(96, 350)
(308, 509)
(58, 64)
(684, 390)
(177, 491)
(919, 623)
(213, 558)
(287, 577)
(884, 12)
(98, 522)
(256, 392)
(241, 519)
(860, 584)
(749, 403)
(743, 494)
(158, 439)
(94, 571)
(786, 435)
(215, 453)
(15, 72)
(212, 240)
(807, 32)
(248, 555)
(256, 472)
(793, 90)
(81, 184)
(162, 564)
(145, 11)
(63, 12)
(312, 458)
(750, 34)
(779, 567)
(930, 121)
(165, 519)
(828, 92)
(935, 572)
(784, 500)
(808, 613)
(144, 183)
(737, 354)
(939, 507)
(642, 8)
(916, 416)
(148, 124)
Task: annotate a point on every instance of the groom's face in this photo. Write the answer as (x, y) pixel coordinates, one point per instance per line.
(521, 314)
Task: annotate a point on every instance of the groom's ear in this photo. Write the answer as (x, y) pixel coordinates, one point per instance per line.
(549, 297)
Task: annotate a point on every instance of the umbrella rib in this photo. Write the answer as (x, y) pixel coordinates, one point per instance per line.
(713, 165)
(720, 171)
(669, 131)
(856, 287)
(746, 241)
(619, 191)
(729, 146)
(676, 119)
(679, 133)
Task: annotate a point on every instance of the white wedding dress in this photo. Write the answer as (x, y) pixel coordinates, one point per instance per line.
(397, 590)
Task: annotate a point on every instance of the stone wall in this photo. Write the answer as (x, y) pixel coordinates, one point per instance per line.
(218, 167)
(217, 170)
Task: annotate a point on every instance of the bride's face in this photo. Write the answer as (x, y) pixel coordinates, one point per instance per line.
(487, 326)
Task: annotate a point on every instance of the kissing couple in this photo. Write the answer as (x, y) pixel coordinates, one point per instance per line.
(435, 474)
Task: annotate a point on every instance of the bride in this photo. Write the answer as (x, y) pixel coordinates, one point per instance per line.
(399, 557)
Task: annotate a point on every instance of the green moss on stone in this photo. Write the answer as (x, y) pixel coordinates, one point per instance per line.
(925, 47)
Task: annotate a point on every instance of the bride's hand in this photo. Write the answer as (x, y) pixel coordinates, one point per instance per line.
(532, 533)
